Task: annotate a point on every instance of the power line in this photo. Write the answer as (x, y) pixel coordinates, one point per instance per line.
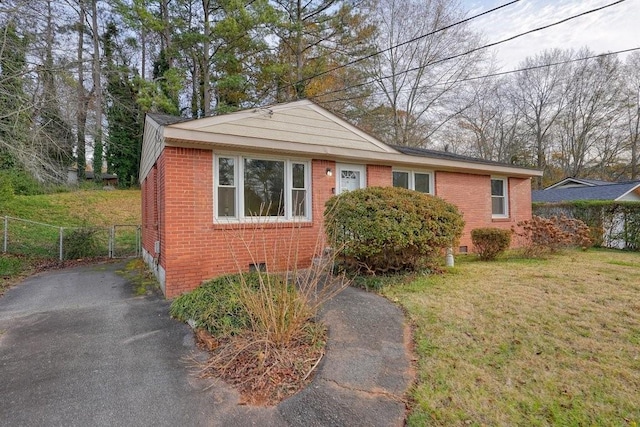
(544, 27)
(502, 73)
(371, 55)
(415, 39)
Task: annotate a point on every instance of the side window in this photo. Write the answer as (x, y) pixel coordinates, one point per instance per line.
(401, 179)
(499, 201)
(418, 181)
(227, 182)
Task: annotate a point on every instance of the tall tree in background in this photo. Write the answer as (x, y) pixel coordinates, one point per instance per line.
(15, 107)
(490, 126)
(82, 98)
(54, 128)
(314, 36)
(587, 122)
(96, 76)
(417, 82)
(631, 96)
(540, 95)
(123, 113)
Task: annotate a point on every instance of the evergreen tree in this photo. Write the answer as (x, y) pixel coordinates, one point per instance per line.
(123, 112)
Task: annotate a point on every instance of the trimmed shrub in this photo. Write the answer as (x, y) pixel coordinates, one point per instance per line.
(388, 229)
(489, 242)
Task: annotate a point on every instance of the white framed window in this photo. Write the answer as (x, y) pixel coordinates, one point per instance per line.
(414, 180)
(254, 186)
(499, 197)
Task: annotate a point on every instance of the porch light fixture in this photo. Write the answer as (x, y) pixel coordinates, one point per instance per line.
(329, 172)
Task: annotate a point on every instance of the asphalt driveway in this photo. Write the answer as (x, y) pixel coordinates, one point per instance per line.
(78, 348)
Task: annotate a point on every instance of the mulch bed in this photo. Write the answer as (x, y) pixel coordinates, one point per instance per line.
(262, 373)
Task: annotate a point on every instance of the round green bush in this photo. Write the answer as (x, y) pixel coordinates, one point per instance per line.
(490, 242)
(389, 229)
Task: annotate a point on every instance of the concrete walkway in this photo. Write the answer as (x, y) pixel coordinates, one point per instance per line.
(77, 347)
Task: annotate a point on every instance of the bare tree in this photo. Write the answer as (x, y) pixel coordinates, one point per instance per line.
(490, 127)
(588, 121)
(540, 95)
(631, 80)
(416, 80)
(97, 93)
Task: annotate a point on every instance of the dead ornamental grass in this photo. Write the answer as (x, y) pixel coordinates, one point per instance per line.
(528, 342)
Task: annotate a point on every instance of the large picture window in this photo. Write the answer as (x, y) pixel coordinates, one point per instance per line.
(247, 187)
(413, 180)
(499, 200)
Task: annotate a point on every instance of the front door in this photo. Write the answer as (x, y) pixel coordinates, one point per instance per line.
(350, 177)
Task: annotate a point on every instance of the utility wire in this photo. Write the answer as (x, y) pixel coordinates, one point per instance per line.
(544, 27)
(502, 73)
(415, 39)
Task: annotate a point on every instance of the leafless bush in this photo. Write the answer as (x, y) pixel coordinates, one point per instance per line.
(540, 236)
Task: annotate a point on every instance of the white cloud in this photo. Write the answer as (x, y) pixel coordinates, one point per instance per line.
(611, 29)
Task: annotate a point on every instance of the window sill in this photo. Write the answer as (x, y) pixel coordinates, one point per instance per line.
(501, 219)
(261, 225)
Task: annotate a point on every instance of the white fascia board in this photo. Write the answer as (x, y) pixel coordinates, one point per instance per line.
(207, 140)
(627, 193)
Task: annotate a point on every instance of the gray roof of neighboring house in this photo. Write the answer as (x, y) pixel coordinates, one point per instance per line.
(414, 151)
(610, 191)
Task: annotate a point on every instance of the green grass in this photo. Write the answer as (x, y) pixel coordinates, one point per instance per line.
(82, 208)
(535, 342)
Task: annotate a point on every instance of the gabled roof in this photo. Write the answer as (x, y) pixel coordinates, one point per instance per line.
(609, 191)
(577, 182)
(298, 122)
(299, 128)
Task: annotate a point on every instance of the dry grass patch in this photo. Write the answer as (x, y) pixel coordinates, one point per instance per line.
(528, 342)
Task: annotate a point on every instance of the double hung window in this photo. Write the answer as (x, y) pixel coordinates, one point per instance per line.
(413, 180)
(499, 200)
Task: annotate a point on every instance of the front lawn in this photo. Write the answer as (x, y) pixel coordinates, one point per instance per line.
(528, 342)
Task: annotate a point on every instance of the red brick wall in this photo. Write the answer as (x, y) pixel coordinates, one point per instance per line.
(150, 230)
(379, 176)
(194, 248)
(472, 195)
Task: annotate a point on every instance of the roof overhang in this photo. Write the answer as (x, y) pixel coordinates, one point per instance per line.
(176, 137)
(628, 192)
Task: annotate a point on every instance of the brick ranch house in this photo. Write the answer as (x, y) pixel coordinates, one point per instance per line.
(203, 180)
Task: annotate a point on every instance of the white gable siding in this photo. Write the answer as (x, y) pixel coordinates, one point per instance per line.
(630, 197)
(152, 146)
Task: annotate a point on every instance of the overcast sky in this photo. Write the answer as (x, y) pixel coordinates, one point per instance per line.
(612, 29)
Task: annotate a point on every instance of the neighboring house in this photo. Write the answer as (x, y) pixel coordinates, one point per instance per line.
(575, 189)
(571, 189)
(107, 178)
(204, 180)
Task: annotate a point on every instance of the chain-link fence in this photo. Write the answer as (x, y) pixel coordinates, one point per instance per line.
(22, 236)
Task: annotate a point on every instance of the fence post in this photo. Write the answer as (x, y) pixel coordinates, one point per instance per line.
(138, 241)
(61, 241)
(112, 241)
(6, 234)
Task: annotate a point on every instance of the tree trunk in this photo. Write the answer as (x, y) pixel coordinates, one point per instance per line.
(81, 118)
(97, 92)
(206, 47)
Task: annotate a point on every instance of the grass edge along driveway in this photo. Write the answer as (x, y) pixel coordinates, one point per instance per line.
(527, 342)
